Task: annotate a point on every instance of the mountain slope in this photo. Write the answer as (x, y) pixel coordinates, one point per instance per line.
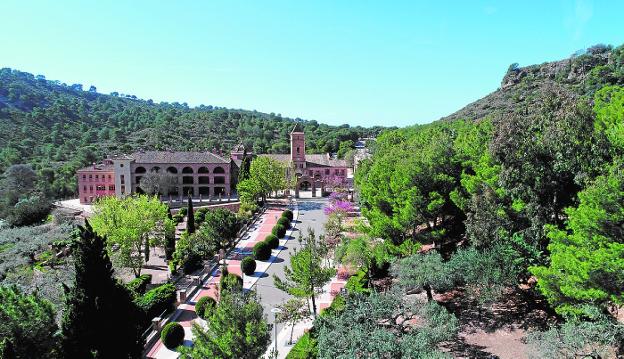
(522, 87)
(58, 128)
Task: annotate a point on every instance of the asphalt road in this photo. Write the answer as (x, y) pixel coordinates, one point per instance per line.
(310, 216)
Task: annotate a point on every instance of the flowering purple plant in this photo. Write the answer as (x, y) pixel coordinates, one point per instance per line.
(342, 207)
(337, 196)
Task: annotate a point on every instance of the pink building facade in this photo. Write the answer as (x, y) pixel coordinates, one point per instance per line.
(313, 171)
(96, 181)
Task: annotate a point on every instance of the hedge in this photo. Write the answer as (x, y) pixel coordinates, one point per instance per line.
(248, 265)
(262, 251)
(139, 285)
(172, 335)
(203, 304)
(284, 222)
(157, 300)
(182, 211)
(288, 214)
(279, 231)
(272, 241)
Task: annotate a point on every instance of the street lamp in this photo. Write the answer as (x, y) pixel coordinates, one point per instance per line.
(275, 312)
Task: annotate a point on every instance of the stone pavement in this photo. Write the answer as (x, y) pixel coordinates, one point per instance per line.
(185, 313)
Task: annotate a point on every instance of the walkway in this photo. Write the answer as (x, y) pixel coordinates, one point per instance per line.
(185, 313)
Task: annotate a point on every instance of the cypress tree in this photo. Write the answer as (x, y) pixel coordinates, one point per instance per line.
(100, 320)
(169, 239)
(190, 216)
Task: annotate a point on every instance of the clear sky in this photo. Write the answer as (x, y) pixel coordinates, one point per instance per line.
(358, 62)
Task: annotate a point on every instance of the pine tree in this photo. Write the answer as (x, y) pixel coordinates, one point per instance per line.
(100, 320)
(190, 220)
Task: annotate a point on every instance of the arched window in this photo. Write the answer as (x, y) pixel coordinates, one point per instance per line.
(203, 170)
(155, 169)
(172, 169)
(187, 170)
(140, 170)
(218, 170)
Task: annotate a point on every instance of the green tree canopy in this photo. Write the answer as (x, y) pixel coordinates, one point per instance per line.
(131, 223)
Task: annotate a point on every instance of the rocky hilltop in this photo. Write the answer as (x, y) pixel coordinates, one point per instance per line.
(578, 76)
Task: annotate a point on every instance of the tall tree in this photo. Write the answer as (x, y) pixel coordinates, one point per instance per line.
(27, 326)
(190, 216)
(306, 275)
(132, 223)
(586, 266)
(91, 325)
(236, 328)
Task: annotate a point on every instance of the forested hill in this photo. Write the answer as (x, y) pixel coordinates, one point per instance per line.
(58, 128)
(523, 88)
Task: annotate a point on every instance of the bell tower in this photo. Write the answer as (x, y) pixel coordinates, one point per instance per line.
(297, 147)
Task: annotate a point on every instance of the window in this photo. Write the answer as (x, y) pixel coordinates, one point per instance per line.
(123, 189)
(297, 150)
(110, 177)
(203, 180)
(121, 165)
(123, 180)
(137, 180)
(90, 188)
(97, 176)
(187, 180)
(219, 180)
(100, 188)
(84, 177)
(327, 171)
(86, 199)
(111, 187)
(90, 176)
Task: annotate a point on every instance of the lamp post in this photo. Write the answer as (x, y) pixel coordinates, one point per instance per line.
(275, 311)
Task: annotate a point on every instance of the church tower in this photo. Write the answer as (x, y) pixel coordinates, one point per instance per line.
(297, 147)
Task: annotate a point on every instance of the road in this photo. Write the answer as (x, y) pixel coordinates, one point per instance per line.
(310, 216)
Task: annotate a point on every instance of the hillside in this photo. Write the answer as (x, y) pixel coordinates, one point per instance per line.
(522, 87)
(58, 128)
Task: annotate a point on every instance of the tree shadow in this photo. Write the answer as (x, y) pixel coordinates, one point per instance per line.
(460, 349)
(275, 259)
(259, 275)
(310, 205)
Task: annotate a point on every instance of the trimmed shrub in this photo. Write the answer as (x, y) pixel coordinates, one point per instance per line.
(279, 231)
(204, 304)
(139, 285)
(182, 211)
(157, 300)
(172, 335)
(272, 241)
(288, 214)
(284, 222)
(231, 281)
(248, 265)
(262, 251)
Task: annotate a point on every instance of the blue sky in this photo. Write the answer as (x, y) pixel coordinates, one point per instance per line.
(356, 62)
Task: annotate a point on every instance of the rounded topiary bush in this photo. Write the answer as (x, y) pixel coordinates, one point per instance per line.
(203, 305)
(279, 231)
(248, 265)
(172, 335)
(288, 214)
(284, 222)
(262, 251)
(272, 241)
